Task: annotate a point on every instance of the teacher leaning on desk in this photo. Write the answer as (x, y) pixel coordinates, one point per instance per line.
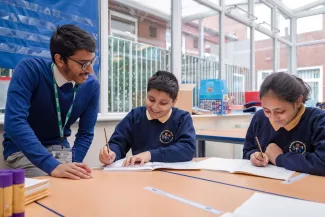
(45, 97)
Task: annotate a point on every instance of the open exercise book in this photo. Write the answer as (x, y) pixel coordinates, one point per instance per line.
(36, 189)
(245, 166)
(267, 205)
(117, 166)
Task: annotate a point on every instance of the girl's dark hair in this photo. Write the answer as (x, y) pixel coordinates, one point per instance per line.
(285, 87)
(164, 81)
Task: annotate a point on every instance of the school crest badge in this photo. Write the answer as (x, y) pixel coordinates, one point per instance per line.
(166, 137)
(297, 147)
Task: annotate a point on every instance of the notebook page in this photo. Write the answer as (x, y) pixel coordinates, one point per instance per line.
(269, 171)
(188, 165)
(117, 166)
(220, 164)
(267, 205)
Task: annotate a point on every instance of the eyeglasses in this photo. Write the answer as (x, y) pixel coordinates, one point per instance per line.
(84, 65)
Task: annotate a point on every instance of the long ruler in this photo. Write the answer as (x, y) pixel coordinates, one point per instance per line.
(296, 178)
(183, 200)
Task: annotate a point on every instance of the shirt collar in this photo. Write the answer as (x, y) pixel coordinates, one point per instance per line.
(294, 121)
(59, 78)
(162, 119)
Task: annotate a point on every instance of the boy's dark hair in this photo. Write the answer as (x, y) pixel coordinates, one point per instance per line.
(67, 39)
(285, 87)
(164, 81)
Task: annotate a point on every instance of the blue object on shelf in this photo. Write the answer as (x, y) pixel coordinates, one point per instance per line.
(214, 96)
(213, 89)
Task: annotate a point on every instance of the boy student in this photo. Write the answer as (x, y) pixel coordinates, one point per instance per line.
(156, 132)
(290, 135)
(45, 97)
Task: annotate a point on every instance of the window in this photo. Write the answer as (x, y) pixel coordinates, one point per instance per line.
(169, 39)
(198, 65)
(310, 28)
(153, 31)
(263, 58)
(5, 76)
(137, 49)
(123, 26)
(313, 76)
(237, 59)
(261, 75)
(195, 43)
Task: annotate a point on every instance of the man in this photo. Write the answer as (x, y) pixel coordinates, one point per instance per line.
(45, 97)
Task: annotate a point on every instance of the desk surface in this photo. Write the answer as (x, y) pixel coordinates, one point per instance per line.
(34, 209)
(123, 194)
(307, 188)
(239, 133)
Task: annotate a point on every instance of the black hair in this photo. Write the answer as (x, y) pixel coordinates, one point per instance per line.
(67, 39)
(285, 87)
(164, 81)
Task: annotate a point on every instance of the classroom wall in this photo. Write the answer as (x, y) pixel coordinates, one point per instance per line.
(204, 122)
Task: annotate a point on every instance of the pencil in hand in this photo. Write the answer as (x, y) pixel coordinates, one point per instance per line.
(106, 140)
(259, 147)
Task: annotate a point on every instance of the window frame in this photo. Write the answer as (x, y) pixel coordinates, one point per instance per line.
(121, 33)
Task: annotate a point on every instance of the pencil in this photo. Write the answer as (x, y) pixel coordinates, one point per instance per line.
(106, 139)
(259, 147)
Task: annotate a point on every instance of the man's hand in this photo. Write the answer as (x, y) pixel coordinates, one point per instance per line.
(74, 171)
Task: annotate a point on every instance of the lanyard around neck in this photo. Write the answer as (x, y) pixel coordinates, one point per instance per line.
(58, 109)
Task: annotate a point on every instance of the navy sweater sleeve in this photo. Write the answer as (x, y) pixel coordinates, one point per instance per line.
(87, 122)
(21, 87)
(184, 147)
(249, 144)
(311, 163)
(121, 140)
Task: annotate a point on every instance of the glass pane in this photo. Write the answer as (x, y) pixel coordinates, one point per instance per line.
(284, 57)
(263, 14)
(264, 75)
(310, 66)
(284, 26)
(237, 59)
(196, 65)
(308, 74)
(122, 25)
(314, 91)
(310, 28)
(135, 58)
(263, 56)
(5, 76)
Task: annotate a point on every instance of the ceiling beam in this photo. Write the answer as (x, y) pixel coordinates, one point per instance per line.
(310, 12)
(145, 8)
(197, 16)
(282, 7)
(309, 6)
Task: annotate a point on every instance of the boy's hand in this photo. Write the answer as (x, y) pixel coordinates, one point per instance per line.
(106, 156)
(72, 171)
(257, 160)
(143, 157)
(273, 151)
